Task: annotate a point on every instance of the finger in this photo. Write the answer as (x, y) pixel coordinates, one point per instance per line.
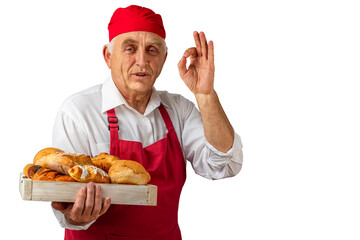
(211, 51)
(78, 207)
(191, 52)
(98, 201)
(182, 67)
(106, 206)
(90, 196)
(197, 43)
(204, 47)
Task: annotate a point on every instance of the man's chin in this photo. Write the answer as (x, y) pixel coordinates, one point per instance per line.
(141, 88)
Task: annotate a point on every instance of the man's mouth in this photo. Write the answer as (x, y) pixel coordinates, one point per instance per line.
(141, 74)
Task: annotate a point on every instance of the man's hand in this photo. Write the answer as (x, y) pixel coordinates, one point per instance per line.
(199, 76)
(87, 207)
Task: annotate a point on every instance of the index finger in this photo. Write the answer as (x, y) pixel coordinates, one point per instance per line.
(78, 206)
(190, 52)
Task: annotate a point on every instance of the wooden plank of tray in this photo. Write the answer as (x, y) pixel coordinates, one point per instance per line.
(67, 191)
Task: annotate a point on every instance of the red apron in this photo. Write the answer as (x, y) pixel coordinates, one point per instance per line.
(165, 162)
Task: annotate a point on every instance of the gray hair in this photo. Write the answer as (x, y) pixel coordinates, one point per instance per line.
(110, 45)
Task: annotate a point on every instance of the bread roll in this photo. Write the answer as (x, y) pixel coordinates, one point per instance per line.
(78, 159)
(89, 173)
(104, 161)
(128, 172)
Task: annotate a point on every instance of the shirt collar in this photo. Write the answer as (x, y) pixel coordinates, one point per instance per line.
(112, 98)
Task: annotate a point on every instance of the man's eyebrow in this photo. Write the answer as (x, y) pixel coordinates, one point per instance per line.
(156, 43)
(128, 41)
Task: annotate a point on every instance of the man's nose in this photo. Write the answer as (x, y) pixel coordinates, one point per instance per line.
(141, 59)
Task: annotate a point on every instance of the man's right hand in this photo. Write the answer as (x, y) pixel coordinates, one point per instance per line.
(88, 206)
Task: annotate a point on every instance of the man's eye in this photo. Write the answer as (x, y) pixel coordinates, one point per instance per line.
(153, 50)
(129, 49)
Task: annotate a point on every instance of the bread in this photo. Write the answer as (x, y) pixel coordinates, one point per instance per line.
(104, 161)
(30, 170)
(128, 172)
(57, 162)
(45, 152)
(64, 178)
(53, 164)
(60, 161)
(46, 174)
(78, 159)
(89, 173)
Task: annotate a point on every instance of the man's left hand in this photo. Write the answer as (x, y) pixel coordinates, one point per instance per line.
(199, 76)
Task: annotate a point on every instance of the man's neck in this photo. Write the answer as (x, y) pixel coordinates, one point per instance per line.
(138, 101)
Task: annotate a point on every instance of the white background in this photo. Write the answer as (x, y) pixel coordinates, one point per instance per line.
(286, 73)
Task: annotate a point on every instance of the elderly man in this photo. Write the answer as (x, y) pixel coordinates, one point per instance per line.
(127, 117)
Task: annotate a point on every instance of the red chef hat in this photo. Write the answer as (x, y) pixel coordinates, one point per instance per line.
(135, 18)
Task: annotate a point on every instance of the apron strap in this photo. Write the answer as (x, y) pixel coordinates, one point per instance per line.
(113, 124)
(166, 118)
(114, 127)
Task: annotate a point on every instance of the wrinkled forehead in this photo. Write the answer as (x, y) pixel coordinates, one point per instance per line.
(140, 37)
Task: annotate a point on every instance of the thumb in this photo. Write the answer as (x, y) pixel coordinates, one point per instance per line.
(182, 67)
(58, 206)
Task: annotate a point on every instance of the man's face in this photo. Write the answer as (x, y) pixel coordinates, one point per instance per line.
(136, 62)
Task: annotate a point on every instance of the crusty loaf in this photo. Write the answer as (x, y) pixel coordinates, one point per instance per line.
(89, 173)
(128, 172)
(104, 161)
(59, 160)
(45, 152)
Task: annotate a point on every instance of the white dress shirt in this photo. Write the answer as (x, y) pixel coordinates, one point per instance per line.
(81, 126)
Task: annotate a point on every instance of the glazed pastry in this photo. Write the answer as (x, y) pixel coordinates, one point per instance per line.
(128, 172)
(46, 174)
(89, 173)
(30, 170)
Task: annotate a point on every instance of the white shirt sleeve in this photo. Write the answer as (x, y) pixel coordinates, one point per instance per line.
(63, 223)
(206, 160)
(68, 136)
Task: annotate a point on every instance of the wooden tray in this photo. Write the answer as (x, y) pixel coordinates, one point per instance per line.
(67, 191)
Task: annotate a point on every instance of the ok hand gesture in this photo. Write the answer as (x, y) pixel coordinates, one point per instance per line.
(199, 76)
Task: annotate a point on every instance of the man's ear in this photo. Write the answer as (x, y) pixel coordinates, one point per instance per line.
(107, 56)
(165, 56)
